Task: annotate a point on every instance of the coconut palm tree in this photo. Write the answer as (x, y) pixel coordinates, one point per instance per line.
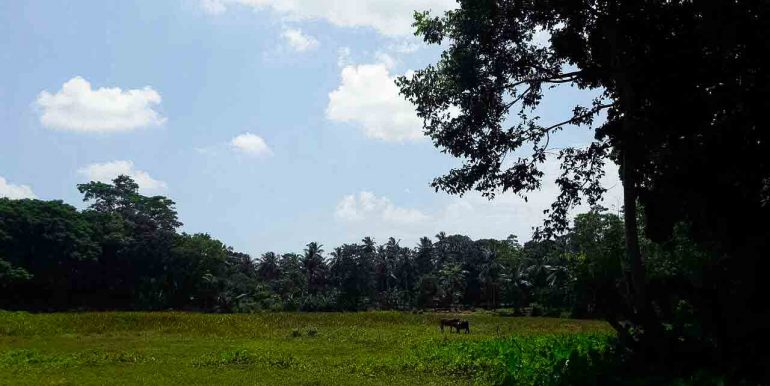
(267, 267)
(314, 267)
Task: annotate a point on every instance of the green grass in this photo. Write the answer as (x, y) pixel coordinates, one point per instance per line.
(289, 348)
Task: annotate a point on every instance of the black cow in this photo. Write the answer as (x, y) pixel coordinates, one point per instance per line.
(451, 323)
(457, 324)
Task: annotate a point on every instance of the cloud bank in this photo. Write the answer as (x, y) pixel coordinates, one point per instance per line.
(388, 17)
(366, 214)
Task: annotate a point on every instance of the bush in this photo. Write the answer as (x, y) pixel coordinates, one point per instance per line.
(582, 359)
(326, 301)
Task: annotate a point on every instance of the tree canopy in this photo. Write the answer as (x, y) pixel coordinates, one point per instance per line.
(681, 88)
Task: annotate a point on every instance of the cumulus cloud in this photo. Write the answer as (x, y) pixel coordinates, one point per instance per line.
(385, 59)
(388, 17)
(298, 40)
(251, 144)
(107, 171)
(15, 192)
(368, 98)
(80, 108)
(366, 206)
(472, 214)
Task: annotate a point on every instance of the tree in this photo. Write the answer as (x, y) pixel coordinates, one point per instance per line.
(464, 253)
(404, 272)
(596, 246)
(194, 271)
(293, 281)
(314, 266)
(343, 276)
(42, 244)
(452, 281)
(267, 267)
(351, 273)
(544, 266)
(10, 275)
(123, 198)
(511, 280)
(241, 289)
(490, 277)
(424, 256)
(137, 234)
(682, 86)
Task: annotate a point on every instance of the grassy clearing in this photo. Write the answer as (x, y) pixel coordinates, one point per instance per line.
(289, 348)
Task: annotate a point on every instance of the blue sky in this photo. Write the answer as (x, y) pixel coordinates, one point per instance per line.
(271, 123)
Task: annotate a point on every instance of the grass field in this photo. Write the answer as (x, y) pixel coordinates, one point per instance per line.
(288, 348)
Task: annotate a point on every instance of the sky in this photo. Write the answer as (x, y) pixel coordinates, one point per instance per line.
(270, 123)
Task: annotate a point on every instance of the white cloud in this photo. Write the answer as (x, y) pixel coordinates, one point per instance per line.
(368, 97)
(106, 172)
(366, 206)
(366, 214)
(388, 17)
(298, 40)
(251, 144)
(78, 107)
(15, 192)
(385, 59)
(343, 56)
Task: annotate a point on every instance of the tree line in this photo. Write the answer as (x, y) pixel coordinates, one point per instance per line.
(124, 252)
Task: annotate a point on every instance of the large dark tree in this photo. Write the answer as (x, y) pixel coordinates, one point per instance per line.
(682, 86)
(42, 247)
(137, 234)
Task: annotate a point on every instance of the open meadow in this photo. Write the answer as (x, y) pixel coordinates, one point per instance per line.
(291, 348)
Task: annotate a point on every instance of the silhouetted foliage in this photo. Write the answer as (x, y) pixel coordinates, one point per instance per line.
(681, 90)
(45, 245)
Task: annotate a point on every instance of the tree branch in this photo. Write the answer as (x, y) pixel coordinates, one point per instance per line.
(577, 118)
(561, 78)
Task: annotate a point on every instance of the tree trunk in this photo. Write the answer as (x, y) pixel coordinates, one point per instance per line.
(650, 343)
(628, 103)
(494, 303)
(633, 253)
